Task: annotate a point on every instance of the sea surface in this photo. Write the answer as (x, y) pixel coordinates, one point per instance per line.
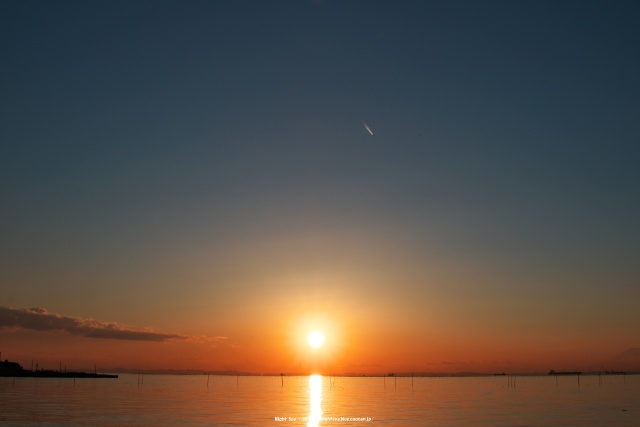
(201, 400)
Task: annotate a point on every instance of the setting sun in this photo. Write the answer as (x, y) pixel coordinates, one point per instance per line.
(315, 339)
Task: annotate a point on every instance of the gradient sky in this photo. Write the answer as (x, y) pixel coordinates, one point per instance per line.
(190, 184)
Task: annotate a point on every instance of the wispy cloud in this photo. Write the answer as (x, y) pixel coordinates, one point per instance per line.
(630, 353)
(211, 341)
(40, 319)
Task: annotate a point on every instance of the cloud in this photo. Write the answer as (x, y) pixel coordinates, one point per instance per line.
(39, 319)
(201, 339)
(630, 353)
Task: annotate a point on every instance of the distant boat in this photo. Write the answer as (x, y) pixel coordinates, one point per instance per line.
(13, 369)
(552, 372)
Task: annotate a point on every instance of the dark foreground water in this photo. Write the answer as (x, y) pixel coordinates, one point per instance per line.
(165, 400)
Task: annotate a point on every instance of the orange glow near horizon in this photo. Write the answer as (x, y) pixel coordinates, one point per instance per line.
(347, 349)
(356, 341)
(316, 342)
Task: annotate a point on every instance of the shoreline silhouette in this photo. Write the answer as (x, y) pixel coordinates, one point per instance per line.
(14, 369)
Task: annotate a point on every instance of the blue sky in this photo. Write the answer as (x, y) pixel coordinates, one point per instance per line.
(147, 147)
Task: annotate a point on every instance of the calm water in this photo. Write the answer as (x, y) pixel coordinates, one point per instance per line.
(165, 400)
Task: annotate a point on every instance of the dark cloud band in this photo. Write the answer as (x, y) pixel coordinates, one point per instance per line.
(41, 320)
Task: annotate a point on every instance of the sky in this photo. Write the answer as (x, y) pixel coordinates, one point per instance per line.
(191, 185)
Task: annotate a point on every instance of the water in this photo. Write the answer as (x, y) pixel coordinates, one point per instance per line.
(166, 400)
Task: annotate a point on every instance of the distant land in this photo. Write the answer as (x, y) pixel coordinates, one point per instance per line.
(355, 374)
(626, 362)
(14, 369)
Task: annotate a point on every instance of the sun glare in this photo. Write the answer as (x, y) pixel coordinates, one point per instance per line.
(315, 339)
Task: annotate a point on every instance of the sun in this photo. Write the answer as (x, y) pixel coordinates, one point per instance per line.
(315, 339)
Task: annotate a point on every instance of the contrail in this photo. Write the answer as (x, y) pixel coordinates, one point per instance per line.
(367, 128)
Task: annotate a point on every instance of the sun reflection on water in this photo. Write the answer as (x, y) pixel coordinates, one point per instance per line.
(315, 397)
